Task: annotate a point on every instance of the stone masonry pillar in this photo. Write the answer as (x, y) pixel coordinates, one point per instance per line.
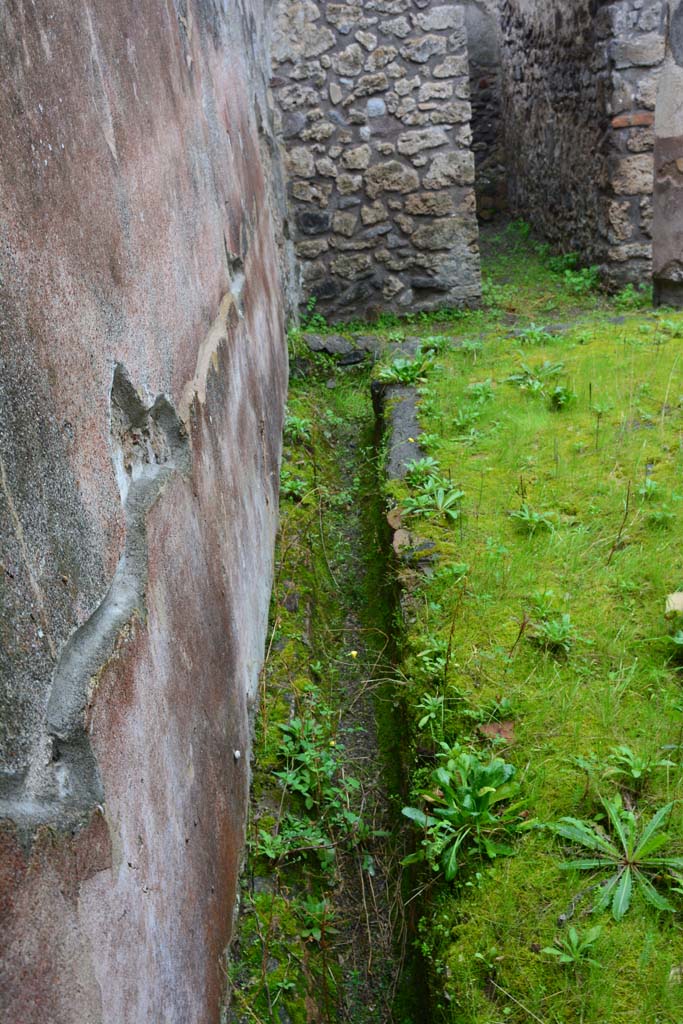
(668, 184)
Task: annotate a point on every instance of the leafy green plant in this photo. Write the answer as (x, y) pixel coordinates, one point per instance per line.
(627, 852)
(560, 397)
(430, 660)
(632, 297)
(581, 281)
(406, 371)
(471, 346)
(438, 498)
(297, 429)
(576, 950)
(562, 262)
(535, 379)
(312, 321)
(633, 768)
(291, 486)
(419, 471)
(317, 917)
(555, 634)
(529, 520)
(649, 490)
(534, 335)
(481, 391)
(465, 419)
(431, 711)
(661, 518)
(468, 811)
(436, 343)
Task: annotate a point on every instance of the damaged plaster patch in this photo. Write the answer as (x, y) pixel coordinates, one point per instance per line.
(207, 356)
(149, 445)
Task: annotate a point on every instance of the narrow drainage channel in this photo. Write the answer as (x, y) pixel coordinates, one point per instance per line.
(323, 933)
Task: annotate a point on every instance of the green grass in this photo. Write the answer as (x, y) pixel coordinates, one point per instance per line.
(316, 833)
(538, 636)
(609, 569)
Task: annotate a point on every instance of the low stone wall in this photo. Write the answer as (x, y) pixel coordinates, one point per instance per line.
(375, 116)
(142, 383)
(579, 86)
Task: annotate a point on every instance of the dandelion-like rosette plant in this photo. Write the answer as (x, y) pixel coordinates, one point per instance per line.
(633, 857)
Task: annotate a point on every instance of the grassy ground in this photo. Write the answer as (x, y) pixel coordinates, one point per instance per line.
(540, 639)
(535, 643)
(321, 919)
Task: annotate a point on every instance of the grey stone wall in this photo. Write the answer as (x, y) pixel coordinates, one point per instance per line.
(375, 118)
(482, 20)
(668, 197)
(578, 95)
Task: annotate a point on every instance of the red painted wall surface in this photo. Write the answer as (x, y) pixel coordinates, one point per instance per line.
(137, 230)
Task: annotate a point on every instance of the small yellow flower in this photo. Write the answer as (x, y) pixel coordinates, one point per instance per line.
(354, 654)
(332, 743)
(412, 440)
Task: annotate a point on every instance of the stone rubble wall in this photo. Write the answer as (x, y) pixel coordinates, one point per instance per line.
(143, 374)
(375, 117)
(668, 197)
(482, 20)
(578, 97)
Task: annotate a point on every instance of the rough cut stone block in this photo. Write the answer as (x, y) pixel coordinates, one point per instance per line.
(435, 204)
(373, 214)
(442, 17)
(376, 107)
(453, 66)
(399, 27)
(381, 58)
(420, 49)
(633, 175)
(351, 266)
(349, 61)
(347, 183)
(356, 159)
(296, 36)
(311, 248)
(412, 142)
(367, 39)
(454, 168)
(391, 177)
(438, 234)
(645, 50)
(368, 84)
(343, 16)
(300, 162)
(451, 113)
(435, 91)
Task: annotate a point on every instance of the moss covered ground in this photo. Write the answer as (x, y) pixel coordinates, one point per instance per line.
(321, 922)
(540, 637)
(534, 637)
